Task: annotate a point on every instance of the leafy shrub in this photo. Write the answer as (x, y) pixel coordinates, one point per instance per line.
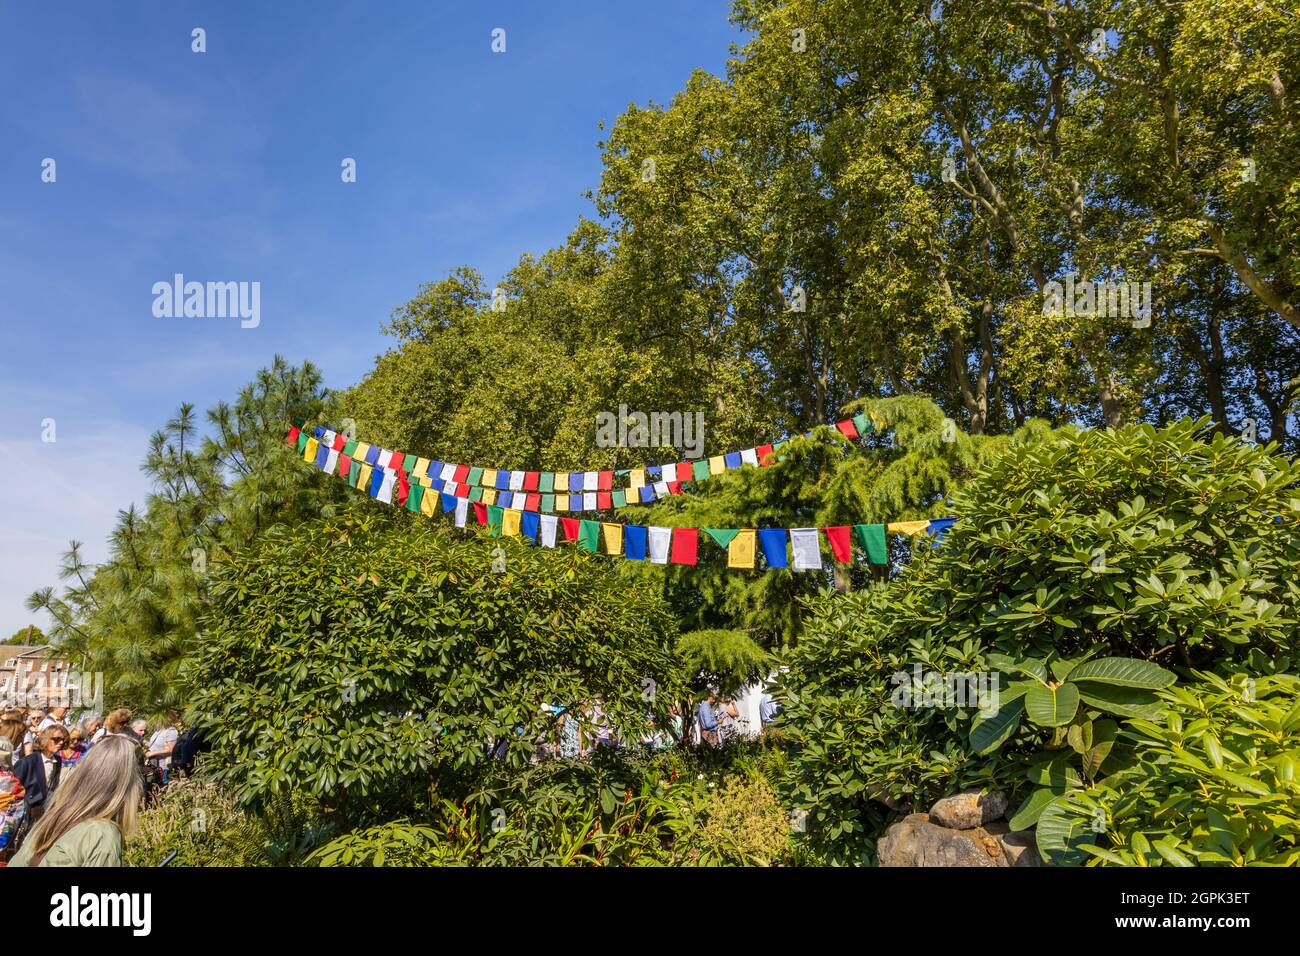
(1215, 782)
(201, 822)
(617, 809)
(357, 658)
(1160, 545)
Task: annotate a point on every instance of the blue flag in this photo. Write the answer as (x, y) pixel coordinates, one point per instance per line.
(773, 541)
(530, 524)
(634, 542)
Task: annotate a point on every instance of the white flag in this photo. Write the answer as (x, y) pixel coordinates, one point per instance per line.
(332, 462)
(549, 523)
(462, 511)
(589, 501)
(589, 480)
(386, 489)
(749, 457)
(328, 438)
(660, 539)
(449, 488)
(807, 549)
(448, 472)
(516, 480)
(661, 489)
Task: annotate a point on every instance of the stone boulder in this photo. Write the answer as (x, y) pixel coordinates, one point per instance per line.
(915, 841)
(964, 811)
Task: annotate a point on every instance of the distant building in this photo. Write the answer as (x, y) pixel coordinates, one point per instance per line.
(31, 677)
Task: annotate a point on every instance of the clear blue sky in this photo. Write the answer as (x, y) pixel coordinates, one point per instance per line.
(225, 166)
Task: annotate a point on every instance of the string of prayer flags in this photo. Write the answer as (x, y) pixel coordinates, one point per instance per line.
(396, 479)
(645, 484)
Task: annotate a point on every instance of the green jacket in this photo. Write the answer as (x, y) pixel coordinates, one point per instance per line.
(93, 843)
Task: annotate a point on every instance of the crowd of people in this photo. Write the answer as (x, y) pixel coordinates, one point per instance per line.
(70, 789)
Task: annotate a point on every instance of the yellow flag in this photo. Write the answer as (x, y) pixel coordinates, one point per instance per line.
(421, 469)
(426, 503)
(562, 482)
(613, 537)
(489, 496)
(740, 553)
(510, 522)
(909, 528)
(877, 422)
(309, 453)
(489, 479)
(428, 483)
(363, 479)
(717, 464)
(359, 453)
(636, 478)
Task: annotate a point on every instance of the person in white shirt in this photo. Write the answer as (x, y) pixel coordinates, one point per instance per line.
(55, 716)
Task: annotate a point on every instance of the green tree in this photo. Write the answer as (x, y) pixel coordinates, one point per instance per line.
(135, 617)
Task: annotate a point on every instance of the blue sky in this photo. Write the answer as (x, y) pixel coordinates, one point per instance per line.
(225, 166)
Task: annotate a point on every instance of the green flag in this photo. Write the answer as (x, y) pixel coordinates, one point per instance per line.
(494, 519)
(546, 483)
(862, 423)
(349, 447)
(619, 499)
(413, 497)
(722, 536)
(474, 477)
(872, 539)
(476, 494)
(589, 535)
(548, 503)
(700, 470)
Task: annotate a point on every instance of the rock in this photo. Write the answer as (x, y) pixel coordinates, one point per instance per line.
(965, 811)
(1021, 848)
(915, 841)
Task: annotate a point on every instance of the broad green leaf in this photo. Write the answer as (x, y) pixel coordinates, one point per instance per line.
(1052, 706)
(1123, 672)
(988, 733)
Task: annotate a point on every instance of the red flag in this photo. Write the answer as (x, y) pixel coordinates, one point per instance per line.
(395, 460)
(674, 487)
(292, 437)
(345, 465)
(847, 428)
(570, 526)
(403, 487)
(532, 502)
(339, 442)
(839, 539)
(763, 451)
(605, 482)
(530, 480)
(685, 471)
(480, 512)
(604, 500)
(462, 472)
(686, 543)
(462, 491)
